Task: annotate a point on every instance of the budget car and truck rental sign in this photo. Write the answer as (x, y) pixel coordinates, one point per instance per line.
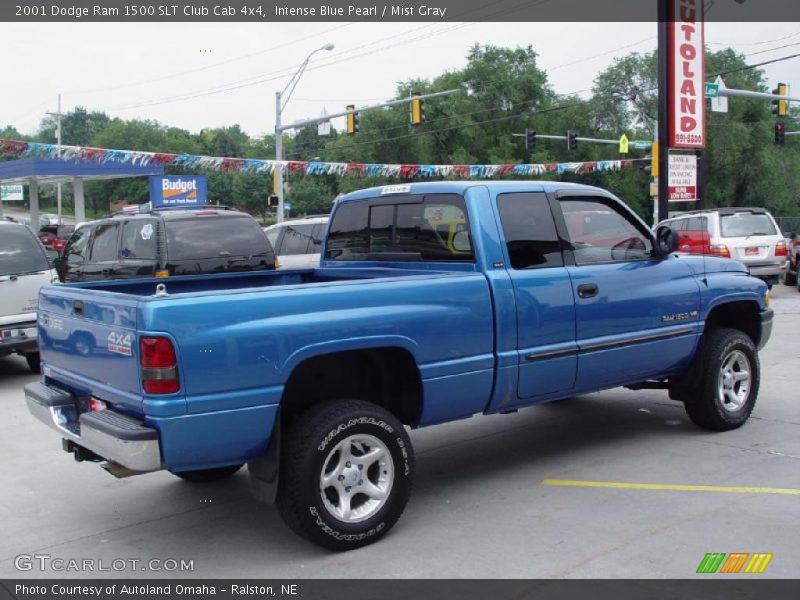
(178, 190)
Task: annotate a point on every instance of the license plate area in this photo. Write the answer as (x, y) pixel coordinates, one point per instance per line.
(752, 251)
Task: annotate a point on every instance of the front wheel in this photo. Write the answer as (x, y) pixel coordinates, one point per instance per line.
(346, 472)
(728, 387)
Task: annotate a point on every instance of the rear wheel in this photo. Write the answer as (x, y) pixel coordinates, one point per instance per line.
(206, 475)
(34, 362)
(346, 473)
(726, 393)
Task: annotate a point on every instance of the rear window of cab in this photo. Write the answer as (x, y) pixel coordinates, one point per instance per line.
(432, 227)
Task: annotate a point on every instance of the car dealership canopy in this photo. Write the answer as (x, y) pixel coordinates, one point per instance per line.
(36, 171)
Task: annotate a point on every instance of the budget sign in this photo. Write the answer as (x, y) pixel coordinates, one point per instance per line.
(178, 190)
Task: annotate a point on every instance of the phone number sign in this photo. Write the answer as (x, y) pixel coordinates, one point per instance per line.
(682, 179)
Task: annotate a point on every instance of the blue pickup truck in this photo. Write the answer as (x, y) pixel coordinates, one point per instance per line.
(433, 302)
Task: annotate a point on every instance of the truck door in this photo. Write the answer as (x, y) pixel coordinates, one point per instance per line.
(545, 306)
(637, 316)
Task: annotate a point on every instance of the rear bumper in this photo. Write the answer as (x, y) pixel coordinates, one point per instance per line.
(111, 435)
(19, 337)
(766, 270)
(766, 327)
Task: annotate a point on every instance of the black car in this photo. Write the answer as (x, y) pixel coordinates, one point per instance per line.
(165, 243)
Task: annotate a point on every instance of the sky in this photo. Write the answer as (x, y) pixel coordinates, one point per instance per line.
(204, 75)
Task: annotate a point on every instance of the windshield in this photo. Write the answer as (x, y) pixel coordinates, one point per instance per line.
(213, 237)
(746, 224)
(20, 252)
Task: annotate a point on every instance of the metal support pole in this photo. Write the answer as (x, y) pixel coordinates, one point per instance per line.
(33, 194)
(702, 179)
(278, 157)
(58, 141)
(80, 206)
(663, 111)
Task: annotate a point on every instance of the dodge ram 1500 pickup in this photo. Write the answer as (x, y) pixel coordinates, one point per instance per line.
(433, 302)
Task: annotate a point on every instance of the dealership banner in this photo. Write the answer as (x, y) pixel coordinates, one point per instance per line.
(686, 74)
(178, 190)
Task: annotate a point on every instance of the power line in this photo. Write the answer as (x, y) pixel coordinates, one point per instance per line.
(433, 131)
(595, 56)
(761, 43)
(207, 67)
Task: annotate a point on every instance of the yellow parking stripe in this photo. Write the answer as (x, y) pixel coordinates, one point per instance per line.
(672, 487)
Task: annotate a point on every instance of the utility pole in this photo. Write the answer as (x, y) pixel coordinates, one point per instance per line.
(58, 116)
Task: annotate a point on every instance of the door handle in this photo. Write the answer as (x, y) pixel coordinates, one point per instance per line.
(106, 272)
(77, 307)
(587, 290)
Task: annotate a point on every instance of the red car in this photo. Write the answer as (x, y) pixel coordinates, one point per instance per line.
(55, 237)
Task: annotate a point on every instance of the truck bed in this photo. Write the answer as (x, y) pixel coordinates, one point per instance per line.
(239, 337)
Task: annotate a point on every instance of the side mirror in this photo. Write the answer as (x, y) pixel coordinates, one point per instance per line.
(666, 241)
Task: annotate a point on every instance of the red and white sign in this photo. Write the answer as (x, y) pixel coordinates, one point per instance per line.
(682, 179)
(686, 89)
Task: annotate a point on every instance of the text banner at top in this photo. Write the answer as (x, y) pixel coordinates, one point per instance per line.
(265, 11)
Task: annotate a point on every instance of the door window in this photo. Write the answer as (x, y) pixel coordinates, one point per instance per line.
(104, 246)
(529, 230)
(599, 233)
(296, 239)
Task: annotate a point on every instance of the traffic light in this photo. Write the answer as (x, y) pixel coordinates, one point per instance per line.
(572, 140)
(352, 120)
(530, 140)
(780, 107)
(780, 134)
(417, 109)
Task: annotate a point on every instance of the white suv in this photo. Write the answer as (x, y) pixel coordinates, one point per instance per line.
(23, 270)
(749, 235)
(297, 243)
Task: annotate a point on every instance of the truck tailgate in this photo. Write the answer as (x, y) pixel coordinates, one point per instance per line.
(88, 343)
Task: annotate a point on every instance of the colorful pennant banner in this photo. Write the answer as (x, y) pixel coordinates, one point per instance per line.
(251, 165)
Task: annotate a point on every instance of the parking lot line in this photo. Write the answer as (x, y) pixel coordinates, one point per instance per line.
(672, 487)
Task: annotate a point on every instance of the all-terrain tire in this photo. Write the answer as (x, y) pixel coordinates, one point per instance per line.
(727, 390)
(206, 475)
(346, 474)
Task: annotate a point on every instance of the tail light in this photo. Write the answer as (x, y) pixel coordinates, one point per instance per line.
(780, 249)
(720, 250)
(159, 365)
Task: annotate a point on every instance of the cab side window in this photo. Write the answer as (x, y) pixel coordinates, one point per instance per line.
(600, 233)
(530, 231)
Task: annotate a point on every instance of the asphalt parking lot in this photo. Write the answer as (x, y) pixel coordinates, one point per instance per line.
(479, 508)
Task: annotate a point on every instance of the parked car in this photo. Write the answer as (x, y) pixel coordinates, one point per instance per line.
(24, 268)
(165, 243)
(749, 235)
(55, 236)
(297, 242)
(311, 377)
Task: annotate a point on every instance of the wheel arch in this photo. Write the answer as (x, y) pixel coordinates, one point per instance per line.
(743, 315)
(386, 375)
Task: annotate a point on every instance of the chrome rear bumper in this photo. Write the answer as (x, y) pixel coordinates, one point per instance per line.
(113, 436)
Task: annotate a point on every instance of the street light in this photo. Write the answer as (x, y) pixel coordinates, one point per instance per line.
(281, 98)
